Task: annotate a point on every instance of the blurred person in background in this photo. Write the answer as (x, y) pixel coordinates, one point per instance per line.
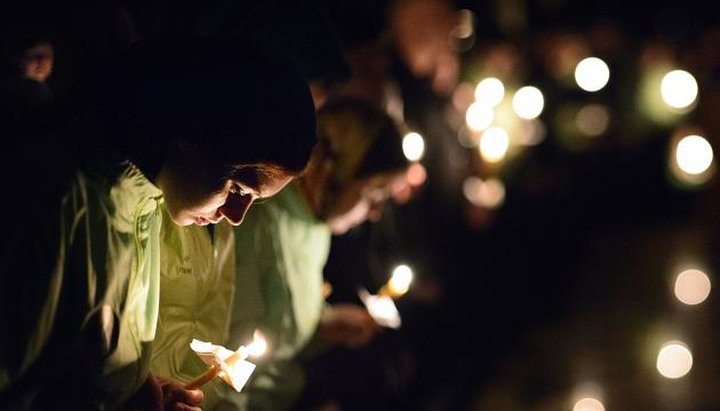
(185, 125)
(415, 33)
(26, 63)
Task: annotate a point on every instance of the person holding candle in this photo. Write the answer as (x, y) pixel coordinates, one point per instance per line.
(284, 244)
(188, 125)
(197, 272)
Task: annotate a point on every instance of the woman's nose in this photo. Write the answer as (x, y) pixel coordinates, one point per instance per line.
(235, 208)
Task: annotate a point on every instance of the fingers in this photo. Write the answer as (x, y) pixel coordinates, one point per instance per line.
(178, 398)
(178, 394)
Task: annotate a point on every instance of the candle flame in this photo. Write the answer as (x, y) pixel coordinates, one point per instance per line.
(400, 281)
(259, 345)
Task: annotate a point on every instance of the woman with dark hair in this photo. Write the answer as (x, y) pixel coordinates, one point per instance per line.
(191, 126)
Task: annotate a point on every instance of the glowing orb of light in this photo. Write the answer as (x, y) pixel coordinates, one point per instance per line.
(592, 74)
(679, 89)
(674, 360)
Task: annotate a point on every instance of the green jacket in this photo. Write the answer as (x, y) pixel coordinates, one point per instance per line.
(197, 282)
(80, 287)
(281, 251)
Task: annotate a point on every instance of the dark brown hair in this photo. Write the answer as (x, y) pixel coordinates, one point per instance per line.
(237, 104)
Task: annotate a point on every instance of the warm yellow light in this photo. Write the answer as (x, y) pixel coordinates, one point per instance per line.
(589, 404)
(528, 102)
(489, 194)
(490, 91)
(592, 74)
(592, 120)
(413, 146)
(693, 154)
(465, 27)
(494, 144)
(258, 346)
(479, 116)
(679, 89)
(674, 360)
(692, 287)
(400, 281)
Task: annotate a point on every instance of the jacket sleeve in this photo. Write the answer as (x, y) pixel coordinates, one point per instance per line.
(44, 283)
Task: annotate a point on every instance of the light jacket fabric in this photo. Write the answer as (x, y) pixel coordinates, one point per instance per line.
(197, 283)
(80, 290)
(281, 250)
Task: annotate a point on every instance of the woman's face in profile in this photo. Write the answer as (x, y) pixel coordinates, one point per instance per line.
(197, 194)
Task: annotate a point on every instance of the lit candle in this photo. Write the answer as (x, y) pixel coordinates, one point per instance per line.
(230, 366)
(259, 346)
(399, 282)
(217, 367)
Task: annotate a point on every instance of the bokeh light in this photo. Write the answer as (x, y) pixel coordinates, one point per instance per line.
(589, 404)
(490, 91)
(674, 360)
(692, 287)
(494, 144)
(679, 89)
(488, 193)
(693, 154)
(479, 116)
(592, 120)
(465, 27)
(650, 102)
(416, 174)
(592, 74)
(528, 102)
(413, 146)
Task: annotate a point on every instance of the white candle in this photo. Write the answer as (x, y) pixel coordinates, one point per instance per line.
(382, 309)
(230, 366)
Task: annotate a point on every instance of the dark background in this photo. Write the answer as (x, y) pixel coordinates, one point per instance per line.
(569, 281)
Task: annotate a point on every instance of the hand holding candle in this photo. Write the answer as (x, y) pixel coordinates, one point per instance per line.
(230, 366)
(382, 306)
